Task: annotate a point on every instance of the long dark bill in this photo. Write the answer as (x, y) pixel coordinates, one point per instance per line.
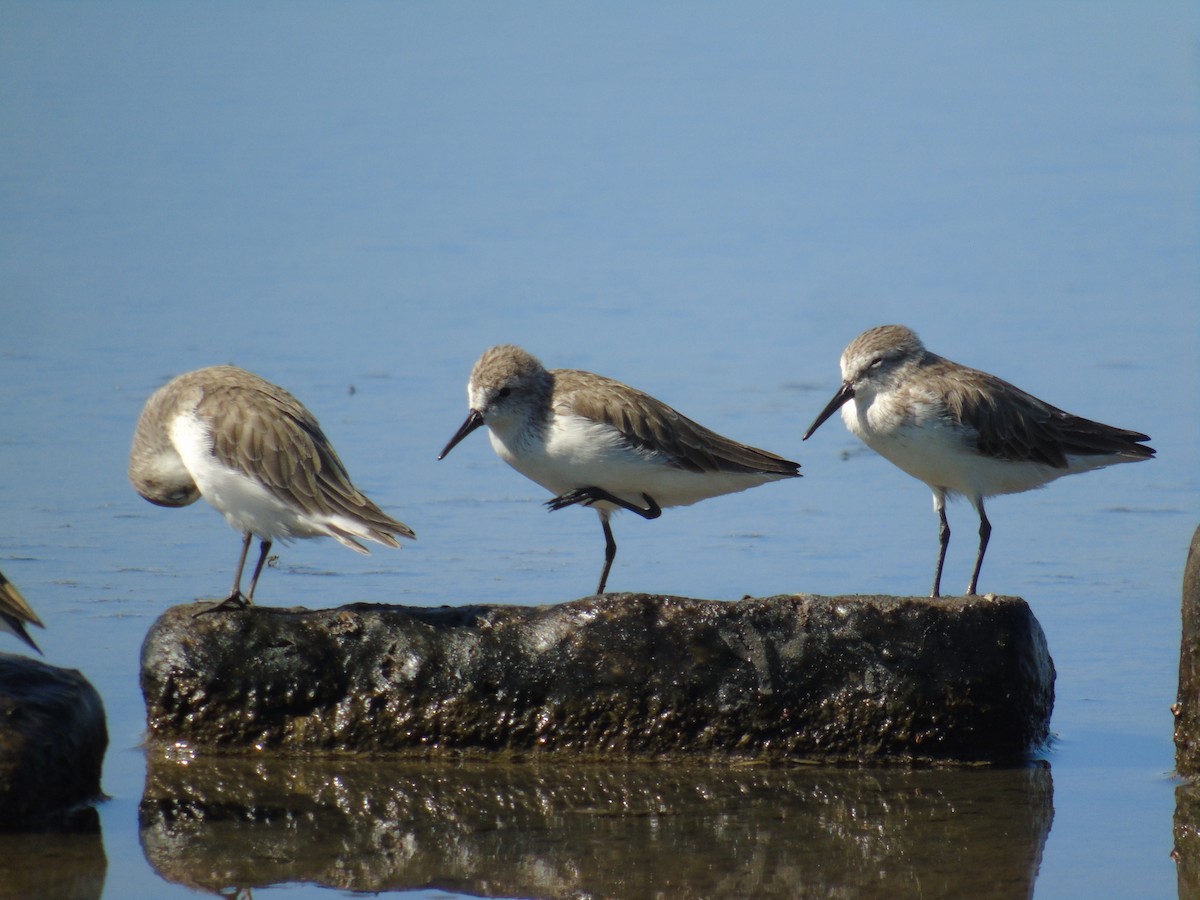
(844, 393)
(474, 420)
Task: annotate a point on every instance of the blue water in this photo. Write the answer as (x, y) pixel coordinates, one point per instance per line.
(706, 201)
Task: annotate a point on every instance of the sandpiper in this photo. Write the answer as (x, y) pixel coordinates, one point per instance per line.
(962, 431)
(15, 613)
(596, 442)
(254, 452)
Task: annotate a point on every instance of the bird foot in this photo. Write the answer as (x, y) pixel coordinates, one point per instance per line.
(585, 496)
(589, 495)
(236, 600)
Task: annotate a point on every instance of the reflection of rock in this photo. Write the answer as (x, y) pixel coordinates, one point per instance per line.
(497, 829)
(615, 676)
(66, 865)
(1187, 839)
(1187, 731)
(1187, 706)
(52, 742)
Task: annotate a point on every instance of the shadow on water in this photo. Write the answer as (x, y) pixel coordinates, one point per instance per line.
(65, 860)
(492, 829)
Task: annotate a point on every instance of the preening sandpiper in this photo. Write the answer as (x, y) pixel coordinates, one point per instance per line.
(15, 613)
(596, 442)
(962, 431)
(254, 452)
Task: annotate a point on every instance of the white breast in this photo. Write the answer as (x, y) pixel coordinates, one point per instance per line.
(938, 451)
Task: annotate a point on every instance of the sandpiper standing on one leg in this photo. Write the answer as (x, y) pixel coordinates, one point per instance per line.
(15, 613)
(962, 431)
(259, 456)
(594, 441)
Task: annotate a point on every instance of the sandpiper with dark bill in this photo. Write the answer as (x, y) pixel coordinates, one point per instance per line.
(15, 613)
(254, 452)
(962, 431)
(596, 442)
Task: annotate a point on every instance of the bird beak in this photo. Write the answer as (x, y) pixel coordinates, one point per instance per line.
(474, 420)
(845, 392)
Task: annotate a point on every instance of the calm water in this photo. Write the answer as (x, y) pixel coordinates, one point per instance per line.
(356, 200)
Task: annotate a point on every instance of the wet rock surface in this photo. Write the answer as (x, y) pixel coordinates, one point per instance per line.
(53, 737)
(619, 676)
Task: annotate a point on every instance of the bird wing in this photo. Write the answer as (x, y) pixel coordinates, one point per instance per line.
(1014, 425)
(13, 604)
(270, 436)
(651, 425)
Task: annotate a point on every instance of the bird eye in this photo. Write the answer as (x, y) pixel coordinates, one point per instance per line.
(876, 363)
(503, 392)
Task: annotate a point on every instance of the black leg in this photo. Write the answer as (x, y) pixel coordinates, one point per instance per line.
(589, 495)
(610, 553)
(943, 543)
(263, 550)
(586, 496)
(985, 532)
(236, 593)
(236, 599)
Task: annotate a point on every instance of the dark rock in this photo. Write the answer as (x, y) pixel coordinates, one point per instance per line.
(215, 823)
(52, 741)
(618, 676)
(1187, 703)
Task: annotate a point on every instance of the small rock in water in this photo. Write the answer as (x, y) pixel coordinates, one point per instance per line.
(53, 737)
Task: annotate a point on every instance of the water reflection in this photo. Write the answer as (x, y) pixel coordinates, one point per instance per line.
(493, 829)
(1187, 839)
(66, 861)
